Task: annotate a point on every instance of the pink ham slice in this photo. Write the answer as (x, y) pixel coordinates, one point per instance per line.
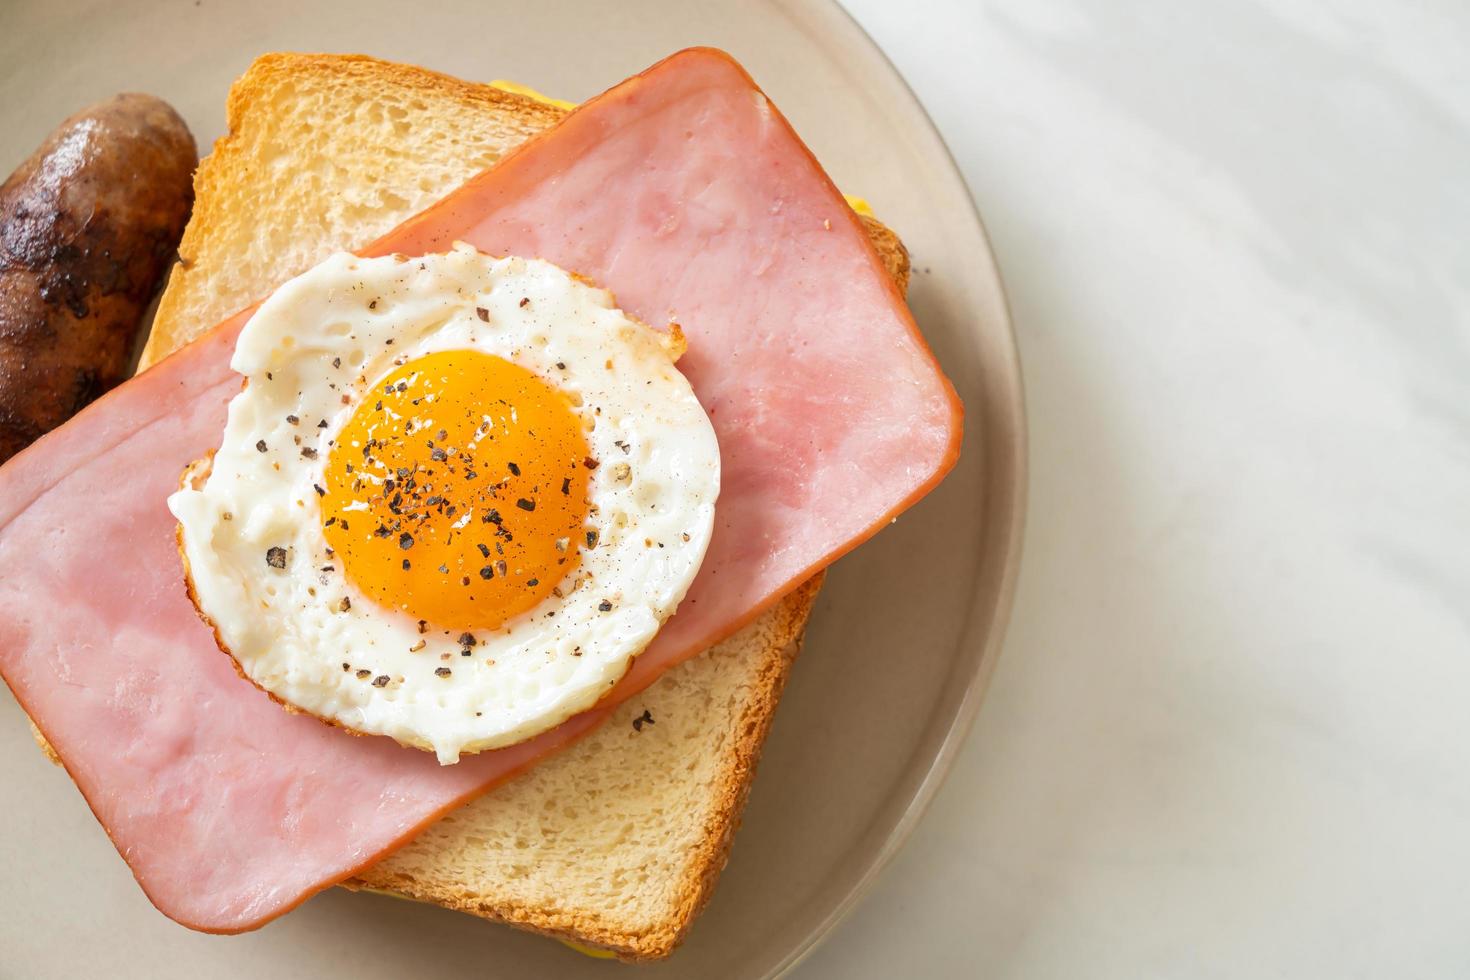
(688, 195)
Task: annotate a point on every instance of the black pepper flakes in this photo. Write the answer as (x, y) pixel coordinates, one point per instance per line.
(487, 573)
(467, 639)
(319, 491)
(344, 605)
(260, 446)
(592, 539)
(482, 313)
(293, 420)
(308, 453)
(442, 671)
(514, 469)
(644, 719)
(405, 541)
(275, 557)
(526, 505)
(525, 302)
(604, 606)
(364, 674)
(380, 681)
(566, 486)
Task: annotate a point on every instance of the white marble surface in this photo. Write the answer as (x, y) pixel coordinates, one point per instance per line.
(1230, 735)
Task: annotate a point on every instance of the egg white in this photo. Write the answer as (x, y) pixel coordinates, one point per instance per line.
(312, 352)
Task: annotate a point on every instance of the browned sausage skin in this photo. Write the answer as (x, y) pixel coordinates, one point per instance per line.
(88, 225)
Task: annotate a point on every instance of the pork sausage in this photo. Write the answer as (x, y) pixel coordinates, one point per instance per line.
(88, 226)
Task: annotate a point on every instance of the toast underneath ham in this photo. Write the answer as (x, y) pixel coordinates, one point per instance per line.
(684, 192)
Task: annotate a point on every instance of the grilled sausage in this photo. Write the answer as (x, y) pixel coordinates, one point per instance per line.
(88, 225)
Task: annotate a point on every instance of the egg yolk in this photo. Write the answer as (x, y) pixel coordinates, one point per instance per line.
(457, 492)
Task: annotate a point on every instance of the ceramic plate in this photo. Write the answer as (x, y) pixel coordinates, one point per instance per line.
(905, 633)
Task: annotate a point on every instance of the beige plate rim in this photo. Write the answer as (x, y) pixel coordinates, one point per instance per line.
(985, 631)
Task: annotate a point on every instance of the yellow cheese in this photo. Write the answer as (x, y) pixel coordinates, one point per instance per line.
(384, 892)
(592, 951)
(516, 88)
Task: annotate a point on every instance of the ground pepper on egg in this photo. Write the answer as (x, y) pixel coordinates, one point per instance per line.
(432, 460)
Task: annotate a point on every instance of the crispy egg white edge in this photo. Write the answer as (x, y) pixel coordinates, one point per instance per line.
(286, 628)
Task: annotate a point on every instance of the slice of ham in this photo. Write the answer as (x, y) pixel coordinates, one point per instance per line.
(690, 197)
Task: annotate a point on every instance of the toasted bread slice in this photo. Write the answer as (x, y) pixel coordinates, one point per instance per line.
(615, 843)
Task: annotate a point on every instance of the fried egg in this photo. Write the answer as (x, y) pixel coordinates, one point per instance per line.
(454, 499)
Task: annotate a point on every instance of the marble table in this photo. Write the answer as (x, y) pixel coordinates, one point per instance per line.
(1230, 735)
